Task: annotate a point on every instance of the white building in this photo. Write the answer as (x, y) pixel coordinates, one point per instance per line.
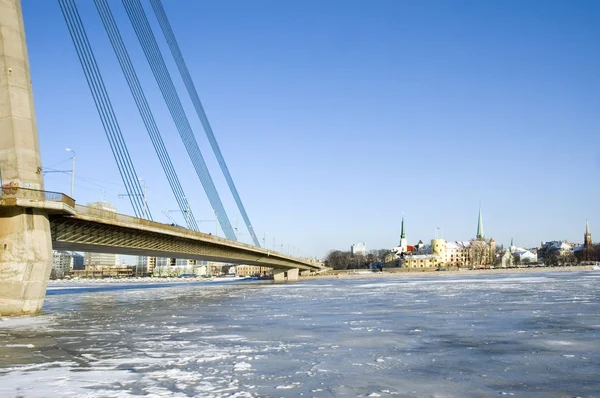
(145, 265)
(175, 267)
(524, 256)
(100, 260)
(358, 248)
(62, 264)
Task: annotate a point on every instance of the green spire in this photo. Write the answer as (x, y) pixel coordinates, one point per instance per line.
(511, 242)
(402, 232)
(480, 234)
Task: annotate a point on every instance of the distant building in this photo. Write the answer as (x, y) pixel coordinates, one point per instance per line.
(507, 258)
(61, 264)
(476, 252)
(432, 260)
(587, 237)
(163, 261)
(184, 262)
(253, 270)
(524, 256)
(403, 241)
(403, 248)
(177, 266)
(586, 251)
(78, 261)
(457, 253)
(145, 265)
(557, 253)
(358, 248)
(101, 260)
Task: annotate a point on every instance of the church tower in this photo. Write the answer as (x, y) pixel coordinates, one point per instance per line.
(480, 234)
(403, 241)
(587, 238)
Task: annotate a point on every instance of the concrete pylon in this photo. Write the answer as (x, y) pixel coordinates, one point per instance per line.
(289, 275)
(25, 242)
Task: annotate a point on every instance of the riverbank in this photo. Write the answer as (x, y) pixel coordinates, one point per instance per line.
(399, 272)
(146, 280)
(387, 273)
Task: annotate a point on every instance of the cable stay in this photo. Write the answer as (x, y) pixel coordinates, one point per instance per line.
(191, 89)
(104, 107)
(141, 102)
(154, 57)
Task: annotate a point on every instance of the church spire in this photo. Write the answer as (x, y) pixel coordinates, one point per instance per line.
(402, 232)
(587, 238)
(480, 234)
(587, 227)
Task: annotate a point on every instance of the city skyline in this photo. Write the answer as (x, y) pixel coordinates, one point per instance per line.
(333, 127)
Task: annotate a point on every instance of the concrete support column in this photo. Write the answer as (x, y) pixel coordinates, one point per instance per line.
(279, 275)
(292, 274)
(25, 242)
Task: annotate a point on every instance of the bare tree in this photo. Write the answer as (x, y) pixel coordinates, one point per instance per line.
(480, 253)
(551, 258)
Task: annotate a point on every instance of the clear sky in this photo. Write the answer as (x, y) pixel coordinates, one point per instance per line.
(338, 117)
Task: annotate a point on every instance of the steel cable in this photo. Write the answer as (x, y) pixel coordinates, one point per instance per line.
(104, 107)
(154, 57)
(142, 104)
(191, 89)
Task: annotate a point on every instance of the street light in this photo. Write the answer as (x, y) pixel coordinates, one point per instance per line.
(145, 206)
(72, 172)
(216, 223)
(144, 197)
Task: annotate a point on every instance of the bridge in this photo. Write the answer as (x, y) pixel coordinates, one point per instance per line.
(34, 221)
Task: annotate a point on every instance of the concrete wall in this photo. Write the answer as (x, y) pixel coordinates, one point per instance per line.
(289, 275)
(25, 245)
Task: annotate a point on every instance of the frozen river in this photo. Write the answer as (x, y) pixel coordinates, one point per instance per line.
(533, 335)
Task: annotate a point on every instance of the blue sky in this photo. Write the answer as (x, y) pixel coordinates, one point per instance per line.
(338, 117)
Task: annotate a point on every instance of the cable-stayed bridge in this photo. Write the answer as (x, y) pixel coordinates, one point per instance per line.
(34, 221)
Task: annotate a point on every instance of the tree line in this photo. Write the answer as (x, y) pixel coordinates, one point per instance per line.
(339, 260)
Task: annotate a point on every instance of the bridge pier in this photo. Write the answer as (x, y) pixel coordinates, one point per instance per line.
(25, 242)
(290, 275)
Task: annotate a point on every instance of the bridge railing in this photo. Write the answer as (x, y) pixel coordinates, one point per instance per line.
(9, 192)
(105, 214)
(112, 215)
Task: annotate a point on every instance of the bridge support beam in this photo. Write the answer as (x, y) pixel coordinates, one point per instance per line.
(290, 275)
(25, 242)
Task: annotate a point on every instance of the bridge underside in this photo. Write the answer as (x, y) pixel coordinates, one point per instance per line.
(102, 236)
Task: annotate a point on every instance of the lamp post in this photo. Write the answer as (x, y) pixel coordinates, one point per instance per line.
(144, 196)
(72, 172)
(216, 223)
(186, 212)
(145, 204)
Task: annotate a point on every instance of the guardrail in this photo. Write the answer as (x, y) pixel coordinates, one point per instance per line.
(124, 218)
(35, 194)
(111, 215)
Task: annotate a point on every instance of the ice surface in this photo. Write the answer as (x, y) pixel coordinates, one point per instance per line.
(446, 336)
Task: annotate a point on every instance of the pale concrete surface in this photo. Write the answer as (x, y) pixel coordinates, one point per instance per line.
(278, 275)
(25, 245)
(101, 231)
(292, 275)
(289, 275)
